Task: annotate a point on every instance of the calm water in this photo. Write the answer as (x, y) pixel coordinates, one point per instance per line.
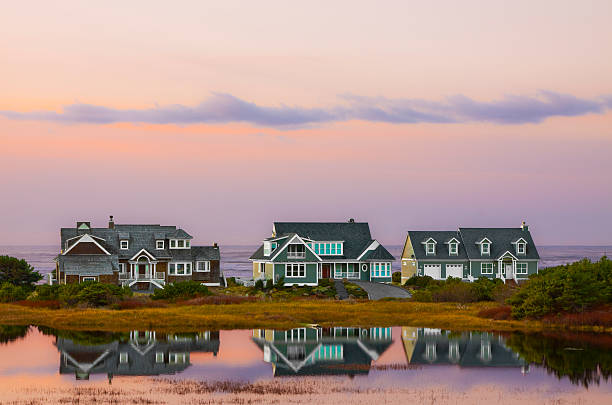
(234, 259)
(379, 359)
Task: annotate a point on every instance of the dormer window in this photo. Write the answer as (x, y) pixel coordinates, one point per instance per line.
(180, 243)
(431, 248)
(159, 244)
(267, 248)
(485, 248)
(521, 248)
(124, 245)
(453, 248)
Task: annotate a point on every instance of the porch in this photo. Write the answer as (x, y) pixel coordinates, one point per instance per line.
(506, 267)
(339, 270)
(143, 270)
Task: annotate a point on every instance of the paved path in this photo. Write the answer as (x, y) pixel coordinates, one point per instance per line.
(340, 289)
(377, 291)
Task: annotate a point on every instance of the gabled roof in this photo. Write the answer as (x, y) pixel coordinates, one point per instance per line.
(418, 239)
(501, 241)
(88, 264)
(380, 253)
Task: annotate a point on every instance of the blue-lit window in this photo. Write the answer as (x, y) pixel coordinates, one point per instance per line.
(333, 248)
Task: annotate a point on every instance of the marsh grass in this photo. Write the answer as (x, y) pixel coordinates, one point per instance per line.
(273, 315)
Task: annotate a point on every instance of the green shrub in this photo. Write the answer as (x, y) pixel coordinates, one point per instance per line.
(570, 288)
(12, 293)
(89, 293)
(454, 292)
(269, 284)
(181, 290)
(396, 277)
(281, 282)
(422, 296)
(484, 288)
(419, 281)
(259, 285)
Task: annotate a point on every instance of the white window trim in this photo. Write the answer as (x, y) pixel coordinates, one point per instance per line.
(173, 273)
(157, 243)
(174, 244)
(450, 249)
(521, 248)
(122, 268)
(88, 278)
(206, 266)
(159, 357)
(482, 268)
(321, 244)
(432, 251)
(127, 244)
(123, 358)
(521, 264)
(384, 270)
(482, 248)
(296, 254)
(301, 267)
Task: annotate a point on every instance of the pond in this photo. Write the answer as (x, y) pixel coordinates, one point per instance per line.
(303, 365)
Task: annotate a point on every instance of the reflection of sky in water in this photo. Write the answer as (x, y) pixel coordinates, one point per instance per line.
(36, 358)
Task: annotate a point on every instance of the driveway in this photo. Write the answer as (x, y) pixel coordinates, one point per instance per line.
(377, 291)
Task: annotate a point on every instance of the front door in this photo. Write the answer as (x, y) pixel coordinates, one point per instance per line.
(508, 270)
(142, 270)
(326, 271)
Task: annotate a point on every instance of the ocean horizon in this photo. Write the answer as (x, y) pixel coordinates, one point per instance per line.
(235, 258)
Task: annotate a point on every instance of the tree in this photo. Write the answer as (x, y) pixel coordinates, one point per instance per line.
(18, 272)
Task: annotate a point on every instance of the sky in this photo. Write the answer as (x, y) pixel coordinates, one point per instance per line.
(222, 117)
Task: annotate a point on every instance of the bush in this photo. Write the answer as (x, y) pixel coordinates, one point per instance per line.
(454, 292)
(281, 282)
(259, 285)
(419, 281)
(269, 284)
(12, 293)
(484, 288)
(89, 293)
(570, 288)
(181, 290)
(397, 277)
(422, 296)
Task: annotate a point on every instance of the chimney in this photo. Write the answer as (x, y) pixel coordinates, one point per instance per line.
(524, 226)
(111, 223)
(351, 220)
(215, 245)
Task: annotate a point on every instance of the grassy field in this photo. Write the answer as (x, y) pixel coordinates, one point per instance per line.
(277, 315)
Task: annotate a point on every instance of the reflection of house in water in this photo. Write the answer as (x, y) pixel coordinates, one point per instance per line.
(465, 349)
(144, 353)
(311, 351)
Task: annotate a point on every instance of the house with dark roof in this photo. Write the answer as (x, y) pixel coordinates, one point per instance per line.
(138, 256)
(304, 252)
(471, 253)
(322, 351)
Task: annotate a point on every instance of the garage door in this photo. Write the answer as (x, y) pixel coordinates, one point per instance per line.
(454, 270)
(432, 270)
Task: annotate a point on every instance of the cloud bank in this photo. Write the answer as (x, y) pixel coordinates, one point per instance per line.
(226, 108)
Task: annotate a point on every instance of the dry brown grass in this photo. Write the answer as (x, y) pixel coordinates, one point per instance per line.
(277, 315)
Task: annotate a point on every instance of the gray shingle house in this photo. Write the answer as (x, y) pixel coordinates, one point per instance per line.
(138, 256)
(471, 253)
(304, 252)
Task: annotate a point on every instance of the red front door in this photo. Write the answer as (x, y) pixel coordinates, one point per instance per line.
(326, 271)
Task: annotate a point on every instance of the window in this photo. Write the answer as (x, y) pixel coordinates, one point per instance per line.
(179, 269)
(453, 248)
(274, 245)
(485, 248)
(296, 251)
(295, 270)
(329, 352)
(84, 279)
(203, 266)
(123, 357)
(121, 267)
(159, 357)
(180, 243)
(296, 334)
(521, 268)
(487, 268)
(328, 248)
(262, 267)
(520, 248)
(381, 269)
(431, 248)
(125, 245)
(267, 248)
(159, 245)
